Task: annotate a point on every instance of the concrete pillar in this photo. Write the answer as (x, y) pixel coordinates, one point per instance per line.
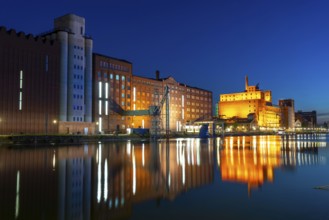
(70, 78)
(63, 39)
(88, 79)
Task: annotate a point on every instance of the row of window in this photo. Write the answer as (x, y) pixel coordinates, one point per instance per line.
(117, 77)
(77, 86)
(77, 118)
(78, 67)
(78, 76)
(78, 57)
(77, 107)
(113, 66)
(77, 96)
(77, 47)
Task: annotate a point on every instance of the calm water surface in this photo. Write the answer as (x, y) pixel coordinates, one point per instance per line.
(248, 177)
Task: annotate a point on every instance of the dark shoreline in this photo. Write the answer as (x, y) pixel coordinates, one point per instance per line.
(57, 140)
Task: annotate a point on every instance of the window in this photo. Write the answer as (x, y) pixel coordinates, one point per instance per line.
(46, 63)
(134, 94)
(111, 76)
(99, 89)
(106, 90)
(106, 107)
(20, 99)
(99, 107)
(123, 78)
(117, 77)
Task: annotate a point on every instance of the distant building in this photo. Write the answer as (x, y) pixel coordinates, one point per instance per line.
(306, 119)
(251, 101)
(287, 107)
(29, 83)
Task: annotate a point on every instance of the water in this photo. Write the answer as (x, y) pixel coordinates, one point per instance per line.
(257, 177)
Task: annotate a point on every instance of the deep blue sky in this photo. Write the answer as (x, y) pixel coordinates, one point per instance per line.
(283, 45)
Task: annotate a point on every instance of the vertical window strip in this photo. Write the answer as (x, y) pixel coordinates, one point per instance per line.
(106, 108)
(106, 90)
(20, 100)
(100, 107)
(21, 79)
(46, 63)
(100, 89)
(134, 94)
(100, 124)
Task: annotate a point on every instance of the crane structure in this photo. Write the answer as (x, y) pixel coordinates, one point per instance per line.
(154, 111)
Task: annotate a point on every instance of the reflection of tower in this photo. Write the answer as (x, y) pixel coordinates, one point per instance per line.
(250, 159)
(74, 186)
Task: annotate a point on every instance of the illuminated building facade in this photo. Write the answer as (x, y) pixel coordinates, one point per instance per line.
(252, 101)
(186, 103)
(116, 90)
(111, 93)
(29, 83)
(287, 107)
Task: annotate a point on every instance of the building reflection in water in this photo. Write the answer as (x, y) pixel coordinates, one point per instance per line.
(148, 171)
(253, 159)
(45, 183)
(100, 181)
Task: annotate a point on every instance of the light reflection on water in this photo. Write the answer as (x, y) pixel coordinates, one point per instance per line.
(113, 180)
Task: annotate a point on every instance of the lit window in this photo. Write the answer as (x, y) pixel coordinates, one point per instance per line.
(106, 107)
(99, 107)
(100, 124)
(123, 78)
(20, 100)
(106, 90)
(117, 77)
(100, 89)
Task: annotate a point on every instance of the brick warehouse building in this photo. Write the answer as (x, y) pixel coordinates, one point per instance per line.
(53, 83)
(29, 83)
(117, 90)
